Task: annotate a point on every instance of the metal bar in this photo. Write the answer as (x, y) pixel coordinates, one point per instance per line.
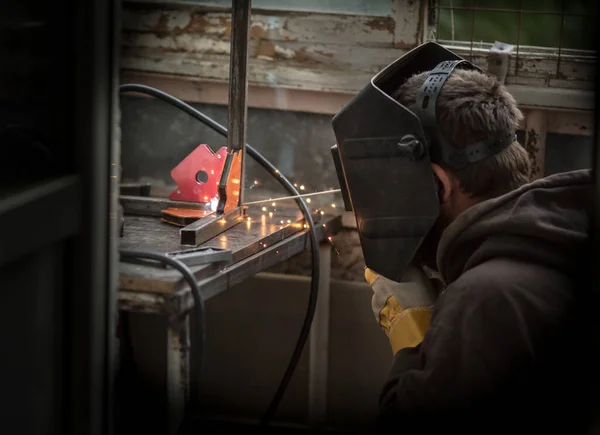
(178, 365)
(206, 228)
(472, 31)
(238, 90)
(525, 11)
(437, 24)
(518, 37)
(560, 37)
(145, 206)
(238, 75)
(452, 21)
(318, 365)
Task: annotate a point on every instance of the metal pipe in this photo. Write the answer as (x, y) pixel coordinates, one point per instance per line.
(238, 95)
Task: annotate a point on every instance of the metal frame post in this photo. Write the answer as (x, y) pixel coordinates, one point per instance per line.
(238, 93)
(208, 227)
(319, 345)
(238, 82)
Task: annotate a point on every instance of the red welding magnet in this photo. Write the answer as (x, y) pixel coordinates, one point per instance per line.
(198, 175)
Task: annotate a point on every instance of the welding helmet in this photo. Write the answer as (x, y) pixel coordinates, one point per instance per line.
(383, 156)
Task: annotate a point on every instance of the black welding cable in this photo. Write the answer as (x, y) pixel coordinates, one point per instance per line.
(268, 166)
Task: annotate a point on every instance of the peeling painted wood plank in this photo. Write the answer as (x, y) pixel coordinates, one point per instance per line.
(536, 96)
(576, 123)
(316, 55)
(327, 52)
(259, 71)
(185, 43)
(527, 51)
(314, 41)
(410, 28)
(538, 68)
(535, 62)
(293, 74)
(547, 68)
(535, 72)
(344, 56)
(359, 30)
(547, 82)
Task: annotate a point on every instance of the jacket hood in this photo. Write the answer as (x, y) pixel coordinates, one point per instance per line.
(545, 222)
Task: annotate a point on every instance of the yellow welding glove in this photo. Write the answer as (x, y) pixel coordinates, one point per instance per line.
(402, 309)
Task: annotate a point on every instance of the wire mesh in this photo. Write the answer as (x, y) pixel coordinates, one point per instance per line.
(548, 28)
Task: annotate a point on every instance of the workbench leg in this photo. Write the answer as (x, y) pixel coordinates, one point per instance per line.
(319, 345)
(178, 371)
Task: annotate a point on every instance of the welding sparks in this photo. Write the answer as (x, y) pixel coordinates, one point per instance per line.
(214, 202)
(253, 185)
(304, 195)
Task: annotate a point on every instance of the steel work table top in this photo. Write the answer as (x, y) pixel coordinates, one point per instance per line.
(256, 245)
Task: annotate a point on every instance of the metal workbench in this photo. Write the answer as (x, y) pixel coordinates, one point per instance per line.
(256, 245)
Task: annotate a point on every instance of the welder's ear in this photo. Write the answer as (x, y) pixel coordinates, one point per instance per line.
(444, 182)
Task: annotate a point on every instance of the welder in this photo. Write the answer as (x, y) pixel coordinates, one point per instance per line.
(474, 267)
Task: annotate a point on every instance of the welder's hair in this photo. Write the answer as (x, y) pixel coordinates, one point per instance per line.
(470, 107)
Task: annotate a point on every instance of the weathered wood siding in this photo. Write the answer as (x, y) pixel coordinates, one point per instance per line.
(322, 52)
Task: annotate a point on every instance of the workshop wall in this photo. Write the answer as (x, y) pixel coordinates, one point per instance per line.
(156, 136)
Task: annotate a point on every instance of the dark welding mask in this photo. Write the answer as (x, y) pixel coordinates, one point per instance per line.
(383, 156)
